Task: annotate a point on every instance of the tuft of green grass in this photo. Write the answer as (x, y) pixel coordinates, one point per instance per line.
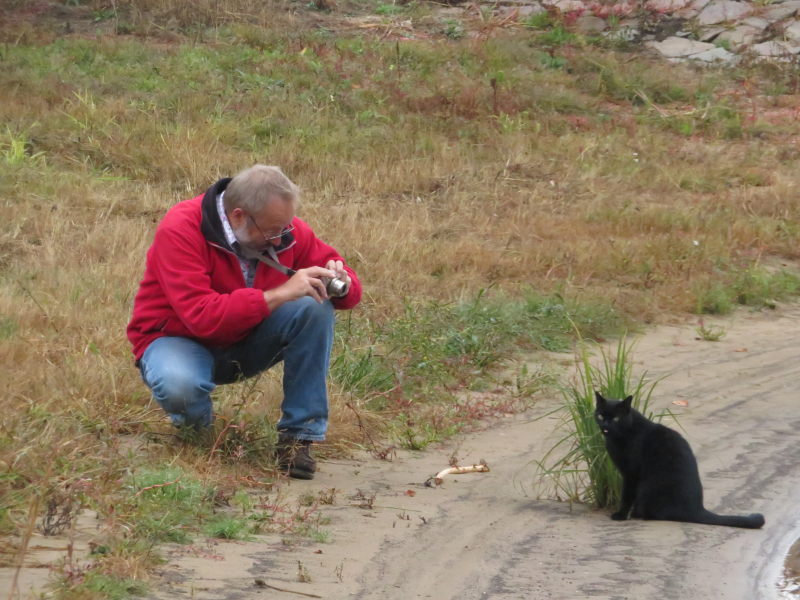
(577, 467)
(755, 287)
(167, 504)
(709, 333)
(228, 528)
(95, 585)
(539, 20)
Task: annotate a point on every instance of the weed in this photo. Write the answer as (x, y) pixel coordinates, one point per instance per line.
(713, 299)
(389, 9)
(453, 29)
(557, 36)
(228, 528)
(167, 504)
(577, 467)
(709, 333)
(539, 20)
(761, 288)
(303, 576)
(96, 585)
(754, 286)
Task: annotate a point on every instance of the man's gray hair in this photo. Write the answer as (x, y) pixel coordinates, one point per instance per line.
(254, 187)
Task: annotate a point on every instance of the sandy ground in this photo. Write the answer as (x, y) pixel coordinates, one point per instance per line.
(487, 535)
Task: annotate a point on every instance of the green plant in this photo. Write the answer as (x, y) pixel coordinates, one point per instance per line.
(453, 29)
(167, 504)
(228, 528)
(557, 36)
(577, 467)
(95, 584)
(713, 299)
(761, 288)
(389, 9)
(709, 333)
(540, 20)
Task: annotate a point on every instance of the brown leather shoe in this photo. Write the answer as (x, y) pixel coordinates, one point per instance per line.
(294, 457)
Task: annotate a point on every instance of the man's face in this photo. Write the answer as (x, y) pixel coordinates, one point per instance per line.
(258, 231)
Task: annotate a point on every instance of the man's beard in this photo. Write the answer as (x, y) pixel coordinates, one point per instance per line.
(250, 248)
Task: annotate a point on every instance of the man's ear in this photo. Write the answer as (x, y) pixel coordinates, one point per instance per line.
(237, 217)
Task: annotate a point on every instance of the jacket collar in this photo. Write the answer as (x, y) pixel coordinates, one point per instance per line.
(211, 224)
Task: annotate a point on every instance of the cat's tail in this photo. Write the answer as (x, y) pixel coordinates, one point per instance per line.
(751, 521)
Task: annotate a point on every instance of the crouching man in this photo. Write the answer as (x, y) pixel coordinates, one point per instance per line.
(235, 283)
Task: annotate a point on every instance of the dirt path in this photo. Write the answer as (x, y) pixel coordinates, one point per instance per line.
(487, 536)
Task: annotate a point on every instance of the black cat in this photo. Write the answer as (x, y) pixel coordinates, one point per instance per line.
(659, 471)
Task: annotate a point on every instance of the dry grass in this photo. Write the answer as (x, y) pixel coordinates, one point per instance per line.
(439, 168)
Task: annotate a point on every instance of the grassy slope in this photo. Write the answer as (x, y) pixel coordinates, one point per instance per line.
(577, 183)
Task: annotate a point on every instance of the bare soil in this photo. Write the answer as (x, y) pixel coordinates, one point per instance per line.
(487, 535)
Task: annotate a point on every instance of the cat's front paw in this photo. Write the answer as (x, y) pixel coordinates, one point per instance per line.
(620, 516)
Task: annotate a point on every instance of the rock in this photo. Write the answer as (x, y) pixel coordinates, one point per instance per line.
(665, 6)
(715, 54)
(778, 12)
(740, 37)
(775, 49)
(691, 9)
(590, 24)
(792, 32)
(566, 6)
(720, 11)
(756, 22)
(530, 9)
(675, 47)
(709, 33)
(624, 33)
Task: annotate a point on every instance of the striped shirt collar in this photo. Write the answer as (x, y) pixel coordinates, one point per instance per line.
(230, 237)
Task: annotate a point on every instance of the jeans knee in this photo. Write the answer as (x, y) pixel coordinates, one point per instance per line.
(313, 312)
(182, 392)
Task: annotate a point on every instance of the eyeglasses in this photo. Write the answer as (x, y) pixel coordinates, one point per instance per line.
(270, 238)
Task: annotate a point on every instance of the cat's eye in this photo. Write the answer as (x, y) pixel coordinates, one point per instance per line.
(616, 419)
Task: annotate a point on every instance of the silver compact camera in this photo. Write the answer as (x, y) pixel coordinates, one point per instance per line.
(335, 287)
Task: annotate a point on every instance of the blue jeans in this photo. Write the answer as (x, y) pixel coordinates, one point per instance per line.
(182, 372)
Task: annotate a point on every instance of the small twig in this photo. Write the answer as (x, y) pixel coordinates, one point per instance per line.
(263, 584)
(157, 485)
(218, 441)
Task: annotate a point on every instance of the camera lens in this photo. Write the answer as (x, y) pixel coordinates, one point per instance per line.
(336, 288)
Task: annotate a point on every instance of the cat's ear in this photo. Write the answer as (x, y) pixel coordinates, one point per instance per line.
(599, 399)
(625, 405)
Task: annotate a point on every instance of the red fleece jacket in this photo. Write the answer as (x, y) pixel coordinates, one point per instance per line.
(193, 284)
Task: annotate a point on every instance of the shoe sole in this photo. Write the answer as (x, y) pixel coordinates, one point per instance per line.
(300, 474)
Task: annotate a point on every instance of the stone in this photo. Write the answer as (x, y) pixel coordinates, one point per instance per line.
(624, 33)
(720, 11)
(756, 22)
(691, 9)
(666, 6)
(566, 6)
(590, 24)
(530, 9)
(778, 12)
(675, 47)
(709, 33)
(740, 37)
(775, 49)
(713, 55)
(792, 32)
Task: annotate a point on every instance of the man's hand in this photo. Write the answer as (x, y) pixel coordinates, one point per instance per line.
(305, 282)
(337, 267)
